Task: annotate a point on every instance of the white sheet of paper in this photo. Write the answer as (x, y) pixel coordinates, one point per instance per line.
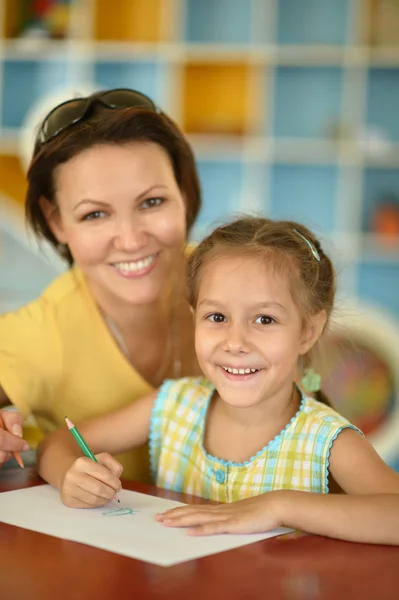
(136, 534)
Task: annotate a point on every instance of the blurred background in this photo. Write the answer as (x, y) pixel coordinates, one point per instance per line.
(292, 110)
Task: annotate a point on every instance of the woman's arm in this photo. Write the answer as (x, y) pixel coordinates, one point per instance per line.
(369, 512)
(112, 433)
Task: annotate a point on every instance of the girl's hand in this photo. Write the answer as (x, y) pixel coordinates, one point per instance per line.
(254, 515)
(88, 484)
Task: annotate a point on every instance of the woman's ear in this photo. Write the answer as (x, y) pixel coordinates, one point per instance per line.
(312, 331)
(53, 218)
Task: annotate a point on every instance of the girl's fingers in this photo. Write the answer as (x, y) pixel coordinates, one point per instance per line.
(194, 518)
(85, 492)
(110, 463)
(91, 499)
(83, 499)
(211, 529)
(175, 513)
(96, 488)
(88, 468)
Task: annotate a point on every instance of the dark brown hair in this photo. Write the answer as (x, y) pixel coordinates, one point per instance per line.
(108, 126)
(281, 244)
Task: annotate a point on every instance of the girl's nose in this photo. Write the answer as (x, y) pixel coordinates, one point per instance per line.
(236, 342)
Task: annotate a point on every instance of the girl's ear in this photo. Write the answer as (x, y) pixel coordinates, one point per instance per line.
(53, 218)
(312, 331)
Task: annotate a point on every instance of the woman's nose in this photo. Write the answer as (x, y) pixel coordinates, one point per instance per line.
(130, 236)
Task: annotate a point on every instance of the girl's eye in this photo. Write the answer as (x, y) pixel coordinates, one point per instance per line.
(152, 202)
(265, 320)
(216, 318)
(95, 214)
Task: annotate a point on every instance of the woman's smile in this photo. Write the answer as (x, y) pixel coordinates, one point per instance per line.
(138, 268)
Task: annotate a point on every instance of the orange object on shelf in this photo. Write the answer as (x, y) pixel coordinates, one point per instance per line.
(12, 19)
(380, 22)
(12, 178)
(217, 98)
(128, 20)
(385, 221)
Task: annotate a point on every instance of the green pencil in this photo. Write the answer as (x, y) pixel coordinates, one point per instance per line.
(82, 444)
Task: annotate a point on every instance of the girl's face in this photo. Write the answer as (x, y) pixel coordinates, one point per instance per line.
(249, 332)
(123, 216)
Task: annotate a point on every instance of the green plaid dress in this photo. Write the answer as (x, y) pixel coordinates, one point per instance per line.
(297, 458)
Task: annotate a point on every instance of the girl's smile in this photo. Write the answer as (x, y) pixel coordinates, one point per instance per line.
(240, 374)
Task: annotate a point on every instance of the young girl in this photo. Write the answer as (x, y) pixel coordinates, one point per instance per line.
(263, 293)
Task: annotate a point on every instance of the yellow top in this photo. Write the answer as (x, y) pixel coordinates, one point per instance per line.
(58, 358)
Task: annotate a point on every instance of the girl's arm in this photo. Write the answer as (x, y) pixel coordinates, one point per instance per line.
(59, 456)
(370, 510)
(367, 512)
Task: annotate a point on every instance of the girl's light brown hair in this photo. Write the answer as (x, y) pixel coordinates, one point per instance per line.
(281, 245)
(105, 127)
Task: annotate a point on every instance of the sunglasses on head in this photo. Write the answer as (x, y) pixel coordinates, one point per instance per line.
(78, 109)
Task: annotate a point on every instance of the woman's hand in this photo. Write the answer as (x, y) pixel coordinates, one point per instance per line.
(88, 484)
(11, 435)
(254, 515)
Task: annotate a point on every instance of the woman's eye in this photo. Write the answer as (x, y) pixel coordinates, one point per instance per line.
(152, 202)
(216, 318)
(95, 214)
(265, 320)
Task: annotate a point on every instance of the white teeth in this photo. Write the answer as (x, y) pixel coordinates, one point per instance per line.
(239, 371)
(130, 267)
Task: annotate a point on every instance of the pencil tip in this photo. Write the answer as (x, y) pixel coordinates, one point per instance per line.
(69, 423)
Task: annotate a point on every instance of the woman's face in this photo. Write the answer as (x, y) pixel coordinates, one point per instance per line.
(123, 216)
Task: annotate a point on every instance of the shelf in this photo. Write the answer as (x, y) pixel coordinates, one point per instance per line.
(290, 105)
(221, 22)
(379, 185)
(291, 150)
(9, 141)
(383, 101)
(307, 101)
(129, 20)
(313, 22)
(12, 178)
(217, 99)
(380, 26)
(222, 188)
(24, 81)
(304, 193)
(379, 248)
(378, 283)
(34, 20)
(144, 76)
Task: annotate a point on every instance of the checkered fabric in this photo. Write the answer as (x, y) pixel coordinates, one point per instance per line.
(297, 458)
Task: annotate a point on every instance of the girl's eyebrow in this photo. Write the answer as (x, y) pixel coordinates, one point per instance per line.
(256, 306)
(210, 303)
(139, 197)
(270, 304)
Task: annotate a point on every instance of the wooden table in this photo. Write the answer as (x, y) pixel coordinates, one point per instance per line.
(293, 567)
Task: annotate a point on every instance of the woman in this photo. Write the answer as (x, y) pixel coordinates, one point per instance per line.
(112, 185)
